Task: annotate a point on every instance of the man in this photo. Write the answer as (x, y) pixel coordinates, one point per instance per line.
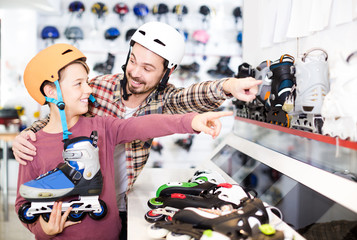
(156, 50)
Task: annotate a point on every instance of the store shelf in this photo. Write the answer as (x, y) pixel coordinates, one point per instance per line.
(304, 193)
(309, 135)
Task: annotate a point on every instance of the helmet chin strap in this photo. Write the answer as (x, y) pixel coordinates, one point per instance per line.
(60, 104)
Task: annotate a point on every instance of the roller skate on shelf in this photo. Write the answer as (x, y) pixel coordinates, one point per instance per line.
(338, 109)
(283, 79)
(250, 221)
(213, 197)
(257, 108)
(312, 85)
(242, 109)
(78, 176)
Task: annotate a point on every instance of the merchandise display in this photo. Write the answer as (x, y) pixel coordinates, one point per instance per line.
(194, 207)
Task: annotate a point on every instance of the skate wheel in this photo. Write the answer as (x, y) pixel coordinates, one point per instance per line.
(74, 215)
(153, 204)
(157, 232)
(177, 236)
(22, 213)
(100, 215)
(153, 217)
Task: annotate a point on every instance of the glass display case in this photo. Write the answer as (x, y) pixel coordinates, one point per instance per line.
(311, 178)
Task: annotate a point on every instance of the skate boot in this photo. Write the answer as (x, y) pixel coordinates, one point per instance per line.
(107, 66)
(283, 79)
(242, 109)
(257, 109)
(312, 85)
(239, 223)
(207, 176)
(216, 197)
(338, 109)
(79, 176)
(222, 69)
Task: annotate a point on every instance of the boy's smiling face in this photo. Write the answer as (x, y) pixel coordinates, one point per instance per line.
(75, 89)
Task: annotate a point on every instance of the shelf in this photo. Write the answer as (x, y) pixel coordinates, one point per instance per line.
(309, 135)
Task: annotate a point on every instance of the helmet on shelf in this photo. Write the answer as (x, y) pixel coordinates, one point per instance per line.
(74, 33)
(129, 33)
(162, 39)
(100, 9)
(141, 10)
(76, 7)
(50, 32)
(121, 9)
(160, 8)
(112, 33)
(180, 10)
(201, 36)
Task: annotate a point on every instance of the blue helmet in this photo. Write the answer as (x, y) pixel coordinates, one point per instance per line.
(141, 10)
(50, 32)
(112, 33)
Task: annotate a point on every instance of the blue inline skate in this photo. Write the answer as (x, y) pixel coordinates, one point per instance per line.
(79, 175)
(247, 222)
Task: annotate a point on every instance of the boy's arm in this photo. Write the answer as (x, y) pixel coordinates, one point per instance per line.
(158, 125)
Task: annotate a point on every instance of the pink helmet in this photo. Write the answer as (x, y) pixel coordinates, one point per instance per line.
(201, 36)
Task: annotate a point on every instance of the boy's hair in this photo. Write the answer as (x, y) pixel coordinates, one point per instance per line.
(45, 83)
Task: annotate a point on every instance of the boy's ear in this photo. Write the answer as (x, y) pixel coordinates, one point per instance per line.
(50, 91)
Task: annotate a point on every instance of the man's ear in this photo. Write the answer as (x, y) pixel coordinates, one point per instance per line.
(50, 91)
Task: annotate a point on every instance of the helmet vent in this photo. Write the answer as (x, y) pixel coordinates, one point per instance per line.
(142, 32)
(67, 51)
(159, 42)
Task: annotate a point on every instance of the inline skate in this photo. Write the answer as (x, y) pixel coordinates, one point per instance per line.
(312, 85)
(340, 120)
(248, 221)
(257, 108)
(79, 175)
(242, 108)
(283, 79)
(215, 197)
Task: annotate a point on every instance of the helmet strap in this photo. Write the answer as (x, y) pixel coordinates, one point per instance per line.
(124, 81)
(165, 79)
(60, 104)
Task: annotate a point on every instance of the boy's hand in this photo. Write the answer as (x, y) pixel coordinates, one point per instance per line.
(209, 122)
(57, 221)
(21, 147)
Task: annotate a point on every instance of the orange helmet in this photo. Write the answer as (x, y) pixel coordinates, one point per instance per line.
(45, 66)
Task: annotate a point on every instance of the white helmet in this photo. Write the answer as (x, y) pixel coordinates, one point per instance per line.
(163, 40)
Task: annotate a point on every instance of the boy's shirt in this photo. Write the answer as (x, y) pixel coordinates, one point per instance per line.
(111, 131)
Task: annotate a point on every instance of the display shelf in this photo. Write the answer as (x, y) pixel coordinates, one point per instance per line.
(307, 195)
(300, 133)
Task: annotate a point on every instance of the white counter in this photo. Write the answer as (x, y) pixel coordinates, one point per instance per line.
(145, 188)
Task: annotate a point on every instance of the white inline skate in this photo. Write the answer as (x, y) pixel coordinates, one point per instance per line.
(338, 109)
(312, 85)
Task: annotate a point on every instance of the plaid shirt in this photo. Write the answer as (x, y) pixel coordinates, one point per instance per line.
(200, 97)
